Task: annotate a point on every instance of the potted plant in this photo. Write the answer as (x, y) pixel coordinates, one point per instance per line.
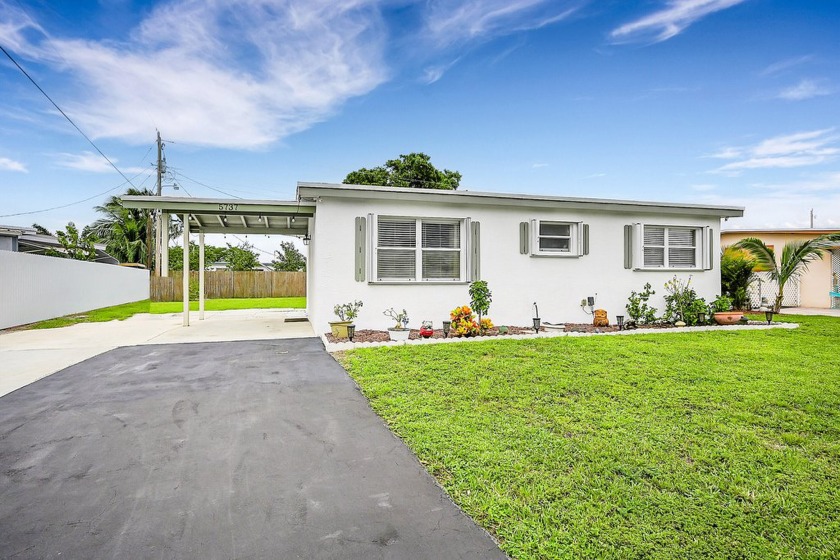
(723, 313)
(400, 331)
(346, 313)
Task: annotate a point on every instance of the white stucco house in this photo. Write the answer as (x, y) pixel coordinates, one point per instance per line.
(419, 249)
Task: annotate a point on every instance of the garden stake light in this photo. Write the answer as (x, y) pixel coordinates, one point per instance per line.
(619, 319)
(446, 326)
(768, 314)
(351, 332)
(536, 318)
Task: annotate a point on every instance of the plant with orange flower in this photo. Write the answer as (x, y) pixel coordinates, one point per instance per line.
(463, 322)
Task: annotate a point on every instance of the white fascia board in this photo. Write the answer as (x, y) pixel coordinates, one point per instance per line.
(316, 191)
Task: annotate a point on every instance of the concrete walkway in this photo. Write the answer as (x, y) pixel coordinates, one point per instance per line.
(811, 311)
(26, 356)
(259, 449)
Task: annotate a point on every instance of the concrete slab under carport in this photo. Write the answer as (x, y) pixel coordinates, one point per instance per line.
(29, 355)
(257, 449)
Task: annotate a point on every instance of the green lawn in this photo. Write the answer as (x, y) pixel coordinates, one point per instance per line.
(702, 445)
(121, 312)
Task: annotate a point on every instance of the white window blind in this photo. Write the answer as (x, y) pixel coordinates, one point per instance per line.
(670, 247)
(396, 254)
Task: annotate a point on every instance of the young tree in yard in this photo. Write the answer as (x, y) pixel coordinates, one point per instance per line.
(241, 257)
(289, 259)
(211, 255)
(796, 256)
(75, 245)
(736, 274)
(413, 170)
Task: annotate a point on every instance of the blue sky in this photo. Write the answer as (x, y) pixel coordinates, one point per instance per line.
(705, 101)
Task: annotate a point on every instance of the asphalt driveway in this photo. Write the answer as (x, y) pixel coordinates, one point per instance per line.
(258, 449)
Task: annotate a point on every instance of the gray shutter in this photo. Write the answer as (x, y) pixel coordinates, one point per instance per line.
(475, 249)
(709, 248)
(628, 246)
(361, 244)
(584, 232)
(523, 238)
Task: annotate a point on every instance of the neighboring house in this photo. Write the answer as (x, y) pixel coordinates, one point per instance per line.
(814, 286)
(27, 240)
(419, 249)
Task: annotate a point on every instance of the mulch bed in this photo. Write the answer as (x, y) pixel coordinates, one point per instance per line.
(382, 336)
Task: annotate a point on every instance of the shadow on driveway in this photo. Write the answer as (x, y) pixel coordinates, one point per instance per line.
(259, 449)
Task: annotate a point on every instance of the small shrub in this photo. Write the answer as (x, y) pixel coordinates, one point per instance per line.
(480, 298)
(682, 303)
(348, 311)
(736, 275)
(722, 304)
(464, 323)
(637, 307)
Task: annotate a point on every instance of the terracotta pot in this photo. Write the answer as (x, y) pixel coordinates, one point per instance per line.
(727, 317)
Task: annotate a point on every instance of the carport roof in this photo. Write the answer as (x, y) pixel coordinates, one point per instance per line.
(235, 216)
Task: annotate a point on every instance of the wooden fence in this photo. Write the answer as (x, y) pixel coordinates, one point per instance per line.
(228, 284)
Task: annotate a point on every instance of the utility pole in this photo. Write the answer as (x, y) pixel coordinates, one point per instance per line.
(160, 237)
(812, 218)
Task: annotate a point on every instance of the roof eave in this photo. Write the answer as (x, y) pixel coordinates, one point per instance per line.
(314, 191)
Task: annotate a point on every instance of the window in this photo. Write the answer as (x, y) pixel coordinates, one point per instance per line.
(670, 247)
(419, 249)
(557, 239)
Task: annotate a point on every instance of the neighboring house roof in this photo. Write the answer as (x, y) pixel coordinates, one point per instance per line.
(780, 231)
(37, 244)
(15, 231)
(312, 191)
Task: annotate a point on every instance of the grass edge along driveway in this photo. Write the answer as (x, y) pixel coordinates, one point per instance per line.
(126, 310)
(701, 445)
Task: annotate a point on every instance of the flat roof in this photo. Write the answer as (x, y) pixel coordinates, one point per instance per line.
(232, 215)
(815, 231)
(312, 191)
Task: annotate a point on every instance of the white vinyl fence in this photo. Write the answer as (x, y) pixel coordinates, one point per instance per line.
(35, 287)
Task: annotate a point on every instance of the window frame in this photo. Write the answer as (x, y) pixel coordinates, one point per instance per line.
(699, 240)
(575, 249)
(463, 239)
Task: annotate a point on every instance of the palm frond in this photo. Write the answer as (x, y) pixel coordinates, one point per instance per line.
(796, 256)
(765, 256)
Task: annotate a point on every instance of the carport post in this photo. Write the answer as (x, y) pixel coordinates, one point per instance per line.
(164, 248)
(201, 276)
(186, 270)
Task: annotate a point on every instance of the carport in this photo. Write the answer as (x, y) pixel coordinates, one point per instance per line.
(219, 215)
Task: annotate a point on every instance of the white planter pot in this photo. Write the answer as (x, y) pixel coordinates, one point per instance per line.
(399, 334)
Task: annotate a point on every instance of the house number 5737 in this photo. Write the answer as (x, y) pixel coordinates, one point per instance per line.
(228, 207)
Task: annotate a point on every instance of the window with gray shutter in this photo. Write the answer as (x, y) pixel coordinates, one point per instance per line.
(419, 249)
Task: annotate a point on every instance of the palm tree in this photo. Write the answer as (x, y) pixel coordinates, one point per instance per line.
(796, 256)
(125, 231)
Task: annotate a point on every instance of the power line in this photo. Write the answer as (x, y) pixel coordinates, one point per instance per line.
(25, 73)
(78, 201)
(203, 185)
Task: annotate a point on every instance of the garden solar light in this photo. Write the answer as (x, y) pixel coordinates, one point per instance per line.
(536, 318)
(768, 314)
(701, 317)
(351, 332)
(619, 319)
(446, 325)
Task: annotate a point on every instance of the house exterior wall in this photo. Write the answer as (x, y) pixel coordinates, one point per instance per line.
(516, 281)
(35, 287)
(8, 243)
(815, 284)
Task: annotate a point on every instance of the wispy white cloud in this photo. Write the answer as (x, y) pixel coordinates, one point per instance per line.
(805, 89)
(7, 164)
(92, 163)
(435, 73)
(786, 64)
(450, 22)
(538, 165)
(670, 21)
(791, 150)
(594, 176)
(282, 66)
